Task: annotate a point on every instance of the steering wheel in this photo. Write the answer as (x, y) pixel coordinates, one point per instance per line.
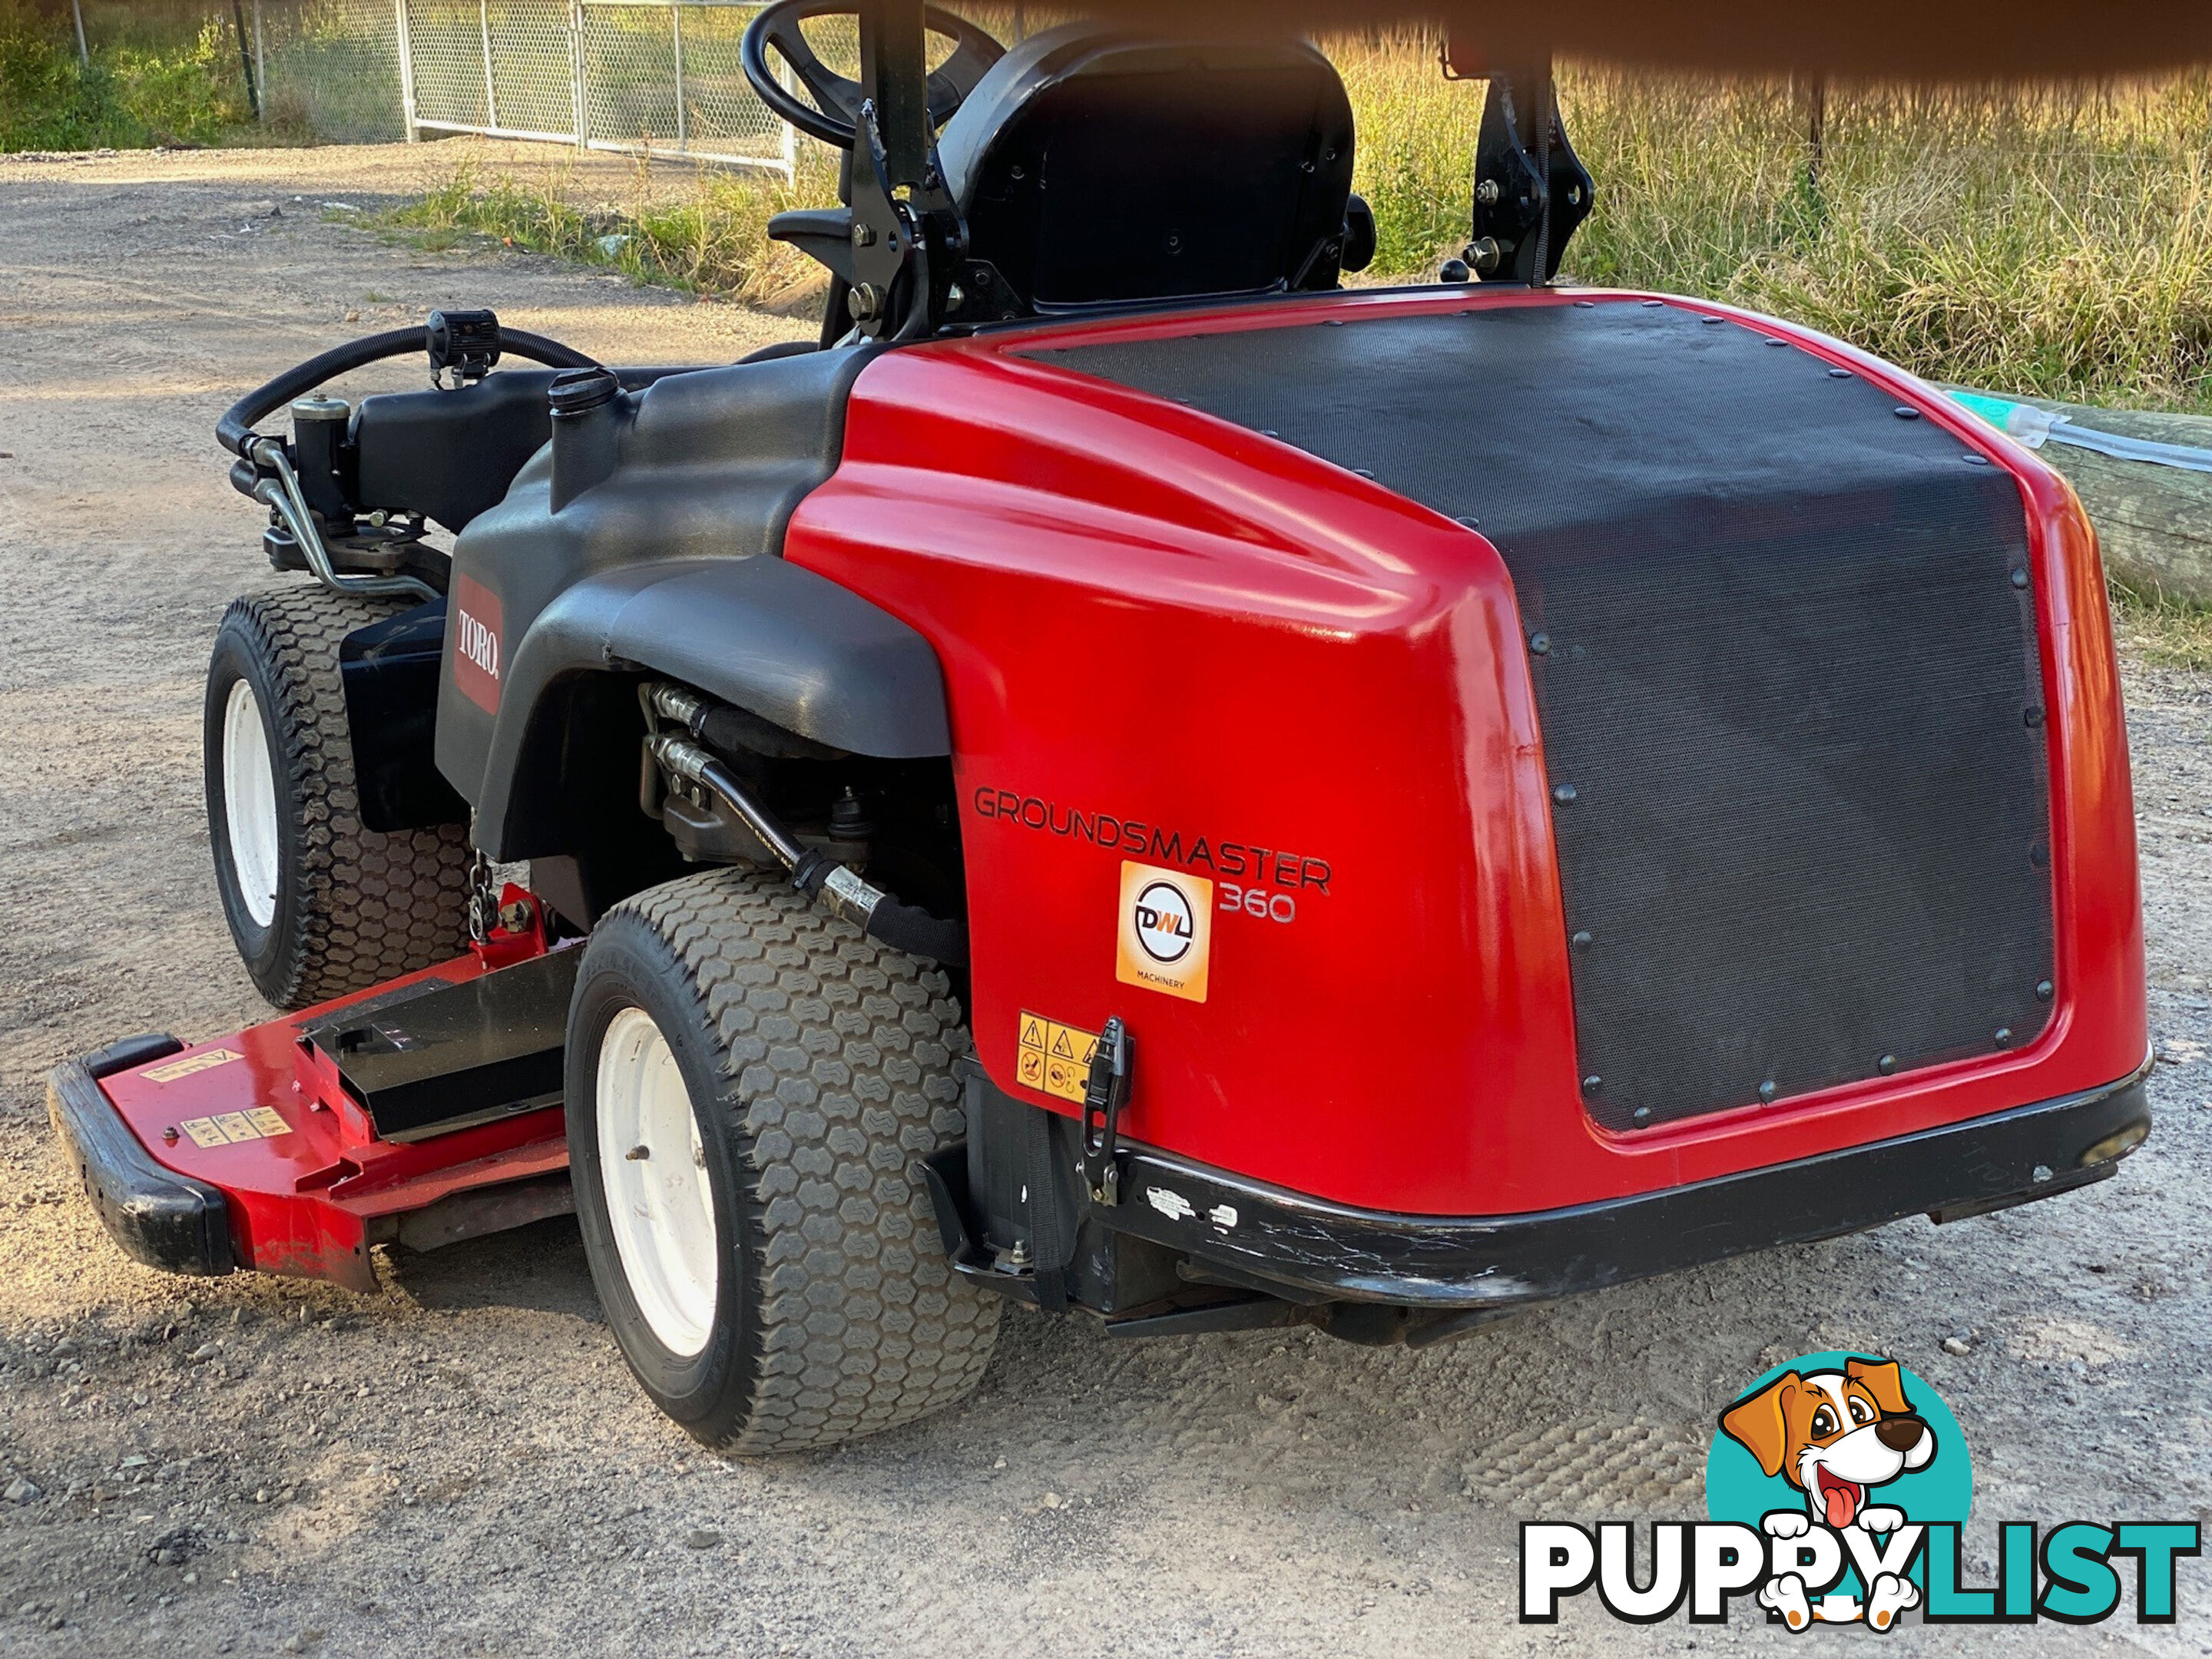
(834, 114)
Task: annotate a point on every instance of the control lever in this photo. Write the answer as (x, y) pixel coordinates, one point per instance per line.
(1105, 1093)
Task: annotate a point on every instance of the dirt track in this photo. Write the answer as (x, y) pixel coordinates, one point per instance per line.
(462, 1465)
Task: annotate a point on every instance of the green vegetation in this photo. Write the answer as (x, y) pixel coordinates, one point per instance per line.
(2053, 241)
(2047, 242)
(163, 77)
(711, 239)
(2156, 627)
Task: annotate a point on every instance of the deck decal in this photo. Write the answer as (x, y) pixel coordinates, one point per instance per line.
(190, 1064)
(231, 1128)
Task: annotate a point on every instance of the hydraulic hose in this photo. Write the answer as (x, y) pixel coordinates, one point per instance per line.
(235, 430)
(815, 873)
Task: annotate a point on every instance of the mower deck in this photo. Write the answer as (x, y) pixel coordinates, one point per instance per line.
(261, 1149)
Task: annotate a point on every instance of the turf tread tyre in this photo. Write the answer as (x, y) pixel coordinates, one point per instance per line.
(356, 907)
(834, 1056)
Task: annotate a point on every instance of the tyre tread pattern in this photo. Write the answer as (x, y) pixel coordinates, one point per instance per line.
(837, 1055)
(373, 906)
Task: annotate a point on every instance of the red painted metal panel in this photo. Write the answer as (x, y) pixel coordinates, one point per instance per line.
(1170, 640)
(304, 1187)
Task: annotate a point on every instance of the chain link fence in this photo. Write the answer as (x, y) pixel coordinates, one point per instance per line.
(329, 70)
(658, 77)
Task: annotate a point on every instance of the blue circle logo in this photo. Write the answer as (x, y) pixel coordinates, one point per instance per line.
(1839, 1458)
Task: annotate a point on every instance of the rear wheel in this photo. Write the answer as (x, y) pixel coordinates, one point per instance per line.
(318, 905)
(751, 1083)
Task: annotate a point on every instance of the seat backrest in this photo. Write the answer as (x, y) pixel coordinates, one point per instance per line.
(1095, 165)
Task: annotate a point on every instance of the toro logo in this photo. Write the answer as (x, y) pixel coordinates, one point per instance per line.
(477, 643)
(1839, 1487)
(1165, 933)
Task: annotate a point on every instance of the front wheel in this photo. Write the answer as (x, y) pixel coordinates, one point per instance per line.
(750, 1083)
(317, 905)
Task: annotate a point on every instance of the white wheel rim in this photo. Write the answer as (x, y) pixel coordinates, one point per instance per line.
(653, 1169)
(249, 803)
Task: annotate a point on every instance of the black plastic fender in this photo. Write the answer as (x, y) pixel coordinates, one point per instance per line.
(773, 638)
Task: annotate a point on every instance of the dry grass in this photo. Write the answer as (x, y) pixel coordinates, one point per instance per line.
(2156, 627)
(2052, 240)
(710, 238)
(2055, 241)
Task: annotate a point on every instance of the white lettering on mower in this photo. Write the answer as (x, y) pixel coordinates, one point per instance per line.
(477, 620)
(479, 644)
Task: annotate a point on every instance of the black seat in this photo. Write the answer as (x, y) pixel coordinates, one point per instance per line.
(1094, 165)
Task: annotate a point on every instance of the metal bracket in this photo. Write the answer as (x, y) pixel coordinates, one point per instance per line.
(905, 250)
(1531, 193)
(1105, 1093)
(279, 491)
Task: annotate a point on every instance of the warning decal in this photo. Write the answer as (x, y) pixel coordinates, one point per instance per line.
(232, 1128)
(1054, 1058)
(186, 1067)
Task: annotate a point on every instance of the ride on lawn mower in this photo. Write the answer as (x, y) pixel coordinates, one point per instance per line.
(1133, 779)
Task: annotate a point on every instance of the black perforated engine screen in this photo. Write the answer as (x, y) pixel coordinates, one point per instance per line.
(1790, 694)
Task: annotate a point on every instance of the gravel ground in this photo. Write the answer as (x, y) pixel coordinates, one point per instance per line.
(461, 1465)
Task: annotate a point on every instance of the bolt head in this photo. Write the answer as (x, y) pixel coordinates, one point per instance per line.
(1581, 940)
(1887, 1065)
(1766, 1092)
(1593, 1082)
(2043, 990)
(1563, 793)
(1540, 644)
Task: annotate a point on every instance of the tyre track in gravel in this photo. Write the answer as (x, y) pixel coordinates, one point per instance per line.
(461, 1465)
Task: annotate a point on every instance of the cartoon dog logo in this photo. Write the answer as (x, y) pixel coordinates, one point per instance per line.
(1835, 1436)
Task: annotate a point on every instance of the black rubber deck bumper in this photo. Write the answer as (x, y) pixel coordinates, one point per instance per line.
(162, 1219)
(1316, 1250)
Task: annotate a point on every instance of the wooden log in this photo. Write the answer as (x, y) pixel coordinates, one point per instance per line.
(2153, 523)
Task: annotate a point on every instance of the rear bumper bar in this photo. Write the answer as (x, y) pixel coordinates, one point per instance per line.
(162, 1219)
(1315, 1250)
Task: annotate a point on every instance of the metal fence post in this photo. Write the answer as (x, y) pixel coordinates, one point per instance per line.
(406, 46)
(491, 91)
(260, 67)
(676, 22)
(578, 91)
